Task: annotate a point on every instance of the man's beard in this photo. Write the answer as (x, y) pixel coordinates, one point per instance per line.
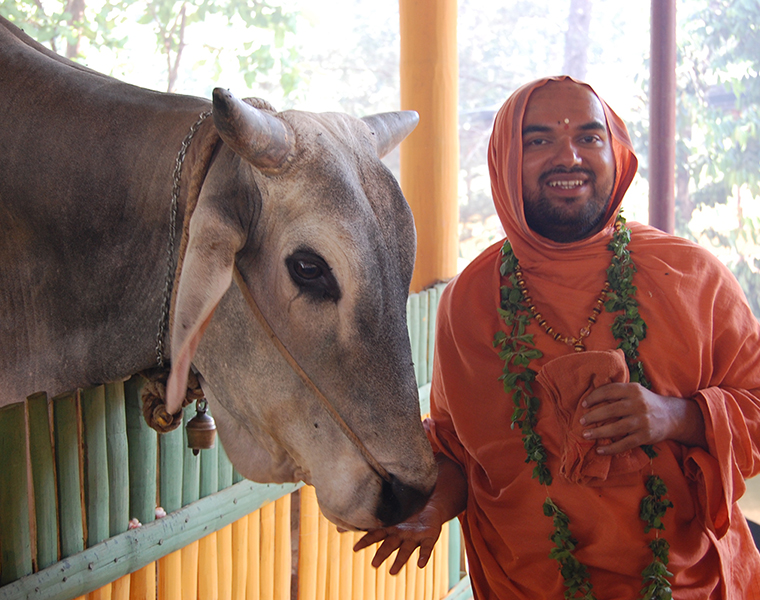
(554, 223)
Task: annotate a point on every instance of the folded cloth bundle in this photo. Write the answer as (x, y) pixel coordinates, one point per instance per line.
(563, 383)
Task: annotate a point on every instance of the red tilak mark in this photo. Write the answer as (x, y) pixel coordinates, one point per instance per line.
(567, 126)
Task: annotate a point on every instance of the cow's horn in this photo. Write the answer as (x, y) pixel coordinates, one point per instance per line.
(261, 138)
(390, 128)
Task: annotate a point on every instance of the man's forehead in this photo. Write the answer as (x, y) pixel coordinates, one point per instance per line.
(563, 102)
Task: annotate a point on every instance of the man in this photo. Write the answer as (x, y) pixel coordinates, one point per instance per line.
(595, 405)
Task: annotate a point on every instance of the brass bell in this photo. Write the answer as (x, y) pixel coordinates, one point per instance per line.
(201, 429)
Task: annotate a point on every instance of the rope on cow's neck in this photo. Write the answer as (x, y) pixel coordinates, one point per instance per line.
(290, 359)
(163, 322)
(518, 350)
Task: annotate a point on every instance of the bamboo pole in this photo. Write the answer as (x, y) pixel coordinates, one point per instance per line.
(346, 562)
(118, 458)
(308, 545)
(66, 417)
(322, 555)
(239, 558)
(143, 456)
(170, 576)
(120, 588)
(208, 574)
(96, 461)
(43, 476)
(224, 559)
(357, 569)
(189, 559)
(16, 549)
(333, 565)
(266, 588)
(253, 581)
(282, 557)
(143, 583)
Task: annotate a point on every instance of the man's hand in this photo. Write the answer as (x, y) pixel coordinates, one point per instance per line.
(419, 531)
(449, 498)
(631, 416)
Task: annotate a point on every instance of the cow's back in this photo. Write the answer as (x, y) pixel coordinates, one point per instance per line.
(85, 187)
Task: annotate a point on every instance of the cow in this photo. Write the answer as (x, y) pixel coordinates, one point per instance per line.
(108, 266)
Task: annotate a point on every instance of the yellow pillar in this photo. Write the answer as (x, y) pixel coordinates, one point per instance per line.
(430, 155)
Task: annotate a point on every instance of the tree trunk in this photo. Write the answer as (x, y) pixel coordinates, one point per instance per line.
(576, 39)
(76, 9)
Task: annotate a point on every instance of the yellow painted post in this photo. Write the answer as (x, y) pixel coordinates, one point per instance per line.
(224, 560)
(208, 575)
(266, 576)
(370, 573)
(252, 585)
(143, 583)
(103, 593)
(346, 563)
(333, 565)
(170, 576)
(428, 576)
(308, 544)
(411, 576)
(239, 558)
(357, 569)
(120, 588)
(430, 155)
(400, 581)
(282, 557)
(390, 581)
(190, 570)
(322, 555)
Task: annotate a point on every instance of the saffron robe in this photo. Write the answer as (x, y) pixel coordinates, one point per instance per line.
(702, 342)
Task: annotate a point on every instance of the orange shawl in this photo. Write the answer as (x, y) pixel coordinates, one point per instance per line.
(702, 343)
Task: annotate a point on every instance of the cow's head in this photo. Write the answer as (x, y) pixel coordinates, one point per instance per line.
(324, 242)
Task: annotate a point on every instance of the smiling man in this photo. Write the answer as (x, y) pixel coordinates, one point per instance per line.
(595, 404)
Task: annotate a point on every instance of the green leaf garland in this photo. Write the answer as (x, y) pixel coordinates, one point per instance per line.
(517, 350)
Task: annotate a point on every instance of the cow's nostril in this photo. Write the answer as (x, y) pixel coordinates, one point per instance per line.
(399, 501)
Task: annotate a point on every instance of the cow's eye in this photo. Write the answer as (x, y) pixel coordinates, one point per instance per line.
(312, 275)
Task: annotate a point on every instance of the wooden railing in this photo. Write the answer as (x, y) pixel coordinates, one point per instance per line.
(77, 468)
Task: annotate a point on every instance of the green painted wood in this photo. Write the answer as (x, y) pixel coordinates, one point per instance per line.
(132, 550)
(461, 591)
(236, 477)
(67, 446)
(143, 455)
(96, 464)
(43, 475)
(455, 549)
(422, 336)
(170, 470)
(118, 459)
(16, 547)
(433, 295)
(225, 466)
(412, 315)
(209, 473)
(191, 464)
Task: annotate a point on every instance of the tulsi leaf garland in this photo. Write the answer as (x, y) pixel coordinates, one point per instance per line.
(517, 350)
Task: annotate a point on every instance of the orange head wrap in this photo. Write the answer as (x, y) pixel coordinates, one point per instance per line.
(505, 165)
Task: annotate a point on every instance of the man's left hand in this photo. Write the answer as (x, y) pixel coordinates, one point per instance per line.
(631, 416)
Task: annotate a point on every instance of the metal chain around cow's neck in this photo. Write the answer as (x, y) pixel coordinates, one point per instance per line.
(169, 281)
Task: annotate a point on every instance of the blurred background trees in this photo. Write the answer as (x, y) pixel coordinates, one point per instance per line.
(343, 55)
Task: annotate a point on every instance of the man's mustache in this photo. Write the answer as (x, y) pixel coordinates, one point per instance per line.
(563, 171)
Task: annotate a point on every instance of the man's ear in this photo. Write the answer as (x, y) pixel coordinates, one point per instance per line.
(206, 275)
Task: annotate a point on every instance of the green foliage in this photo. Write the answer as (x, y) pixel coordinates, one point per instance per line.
(264, 61)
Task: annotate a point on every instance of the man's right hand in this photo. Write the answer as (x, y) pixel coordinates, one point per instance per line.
(449, 498)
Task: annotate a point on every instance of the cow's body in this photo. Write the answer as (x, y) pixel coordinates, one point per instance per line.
(85, 187)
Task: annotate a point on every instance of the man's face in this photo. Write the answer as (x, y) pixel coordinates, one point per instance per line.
(568, 166)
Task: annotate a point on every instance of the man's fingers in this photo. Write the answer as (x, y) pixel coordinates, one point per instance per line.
(404, 552)
(384, 551)
(370, 538)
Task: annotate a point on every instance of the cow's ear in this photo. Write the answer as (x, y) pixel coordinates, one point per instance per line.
(206, 275)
